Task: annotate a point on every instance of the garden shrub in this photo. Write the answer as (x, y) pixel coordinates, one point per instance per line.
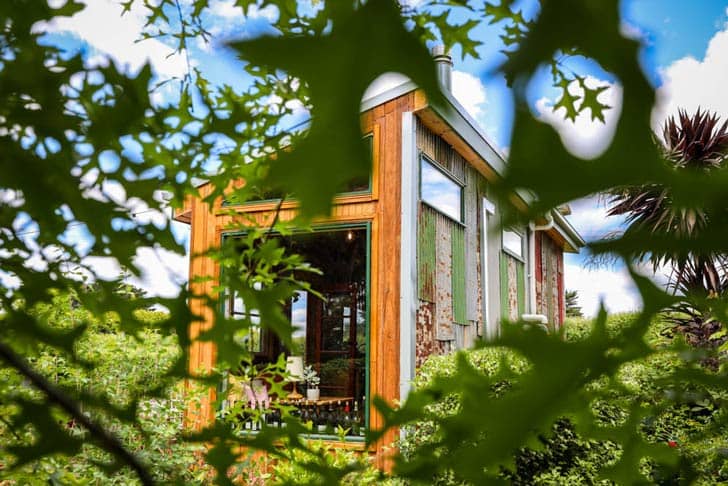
(305, 467)
(115, 365)
(690, 417)
(563, 457)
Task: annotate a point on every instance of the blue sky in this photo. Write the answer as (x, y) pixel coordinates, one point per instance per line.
(685, 56)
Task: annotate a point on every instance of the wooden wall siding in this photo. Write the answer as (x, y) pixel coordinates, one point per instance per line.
(443, 278)
(382, 208)
(384, 363)
(202, 353)
(426, 254)
(459, 306)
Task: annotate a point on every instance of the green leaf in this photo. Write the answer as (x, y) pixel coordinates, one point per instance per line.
(338, 67)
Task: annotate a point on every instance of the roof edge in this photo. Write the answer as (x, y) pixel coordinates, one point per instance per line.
(567, 231)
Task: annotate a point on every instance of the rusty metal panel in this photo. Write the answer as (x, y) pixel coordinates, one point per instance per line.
(511, 270)
(550, 294)
(434, 147)
(426, 257)
(472, 258)
(521, 287)
(458, 274)
(443, 279)
(427, 343)
(538, 252)
(458, 165)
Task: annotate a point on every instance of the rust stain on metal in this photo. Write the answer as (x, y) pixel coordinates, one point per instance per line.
(427, 343)
(443, 279)
(512, 289)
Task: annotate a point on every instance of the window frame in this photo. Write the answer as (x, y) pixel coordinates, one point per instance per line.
(424, 158)
(266, 334)
(522, 257)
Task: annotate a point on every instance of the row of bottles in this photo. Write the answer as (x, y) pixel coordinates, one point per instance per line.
(325, 418)
(328, 418)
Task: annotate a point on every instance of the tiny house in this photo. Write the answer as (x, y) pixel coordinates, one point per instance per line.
(414, 261)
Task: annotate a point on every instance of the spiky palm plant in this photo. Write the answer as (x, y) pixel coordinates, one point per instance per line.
(692, 143)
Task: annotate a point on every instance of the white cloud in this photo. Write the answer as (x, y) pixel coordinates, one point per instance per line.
(589, 217)
(162, 272)
(583, 137)
(470, 92)
(614, 287)
(228, 10)
(690, 83)
(102, 25)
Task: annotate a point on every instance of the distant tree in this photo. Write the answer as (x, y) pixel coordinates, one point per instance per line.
(573, 309)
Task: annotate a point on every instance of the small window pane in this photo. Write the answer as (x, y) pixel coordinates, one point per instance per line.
(513, 242)
(441, 192)
(249, 338)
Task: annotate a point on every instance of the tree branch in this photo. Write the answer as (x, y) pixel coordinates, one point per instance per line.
(108, 441)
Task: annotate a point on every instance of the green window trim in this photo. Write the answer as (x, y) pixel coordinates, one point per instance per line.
(426, 254)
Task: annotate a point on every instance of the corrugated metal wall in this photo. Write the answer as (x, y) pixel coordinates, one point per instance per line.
(458, 275)
(549, 279)
(513, 287)
(448, 260)
(426, 235)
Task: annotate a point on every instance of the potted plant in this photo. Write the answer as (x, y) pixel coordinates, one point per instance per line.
(312, 383)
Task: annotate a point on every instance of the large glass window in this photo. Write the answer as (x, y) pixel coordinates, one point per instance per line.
(330, 329)
(440, 191)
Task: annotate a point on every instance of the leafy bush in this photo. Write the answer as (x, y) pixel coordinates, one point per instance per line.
(690, 418)
(685, 414)
(562, 458)
(311, 467)
(116, 366)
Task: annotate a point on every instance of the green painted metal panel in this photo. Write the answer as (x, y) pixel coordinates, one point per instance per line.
(521, 286)
(505, 311)
(459, 305)
(426, 257)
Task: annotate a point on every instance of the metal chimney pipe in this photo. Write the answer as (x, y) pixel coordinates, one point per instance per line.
(443, 61)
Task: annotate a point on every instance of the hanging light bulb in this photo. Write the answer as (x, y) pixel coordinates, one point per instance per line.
(349, 235)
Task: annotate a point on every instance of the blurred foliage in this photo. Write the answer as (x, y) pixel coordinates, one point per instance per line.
(118, 367)
(86, 152)
(678, 414)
